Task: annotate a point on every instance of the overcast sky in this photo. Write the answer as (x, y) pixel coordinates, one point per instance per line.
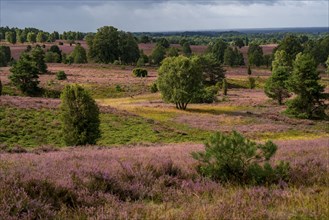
(163, 15)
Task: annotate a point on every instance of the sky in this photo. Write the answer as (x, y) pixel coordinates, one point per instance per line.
(163, 15)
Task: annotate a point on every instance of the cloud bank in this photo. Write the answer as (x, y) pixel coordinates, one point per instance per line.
(163, 15)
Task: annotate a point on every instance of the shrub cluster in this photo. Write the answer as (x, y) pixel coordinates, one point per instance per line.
(232, 158)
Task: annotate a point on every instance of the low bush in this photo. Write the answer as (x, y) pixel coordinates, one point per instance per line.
(154, 88)
(61, 75)
(139, 72)
(233, 158)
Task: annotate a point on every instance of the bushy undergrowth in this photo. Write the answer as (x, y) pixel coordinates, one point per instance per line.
(61, 75)
(139, 72)
(233, 158)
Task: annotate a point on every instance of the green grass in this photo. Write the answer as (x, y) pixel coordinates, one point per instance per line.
(31, 128)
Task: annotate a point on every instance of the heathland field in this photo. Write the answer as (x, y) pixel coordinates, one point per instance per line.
(141, 167)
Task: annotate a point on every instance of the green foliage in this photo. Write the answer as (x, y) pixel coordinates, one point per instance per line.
(255, 55)
(206, 95)
(80, 116)
(51, 57)
(0, 88)
(10, 37)
(232, 158)
(252, 82)
(224, 87)
(292, 46)
(158, 54)
(24, 75)
(327, 64)
(154, 88)
(304, 82)
(61, 75)
(41, 37)
(218, 49)
(172, 52)
(139, 72)
(129, 51)
(186, 49)
(212, 70)
(55, 49)
(232, 57)
(38, 57)
(180, 80)
(31, 37)
(163, 42)
(275, 86)
(109, 45)
(5, 55)
(79, 54)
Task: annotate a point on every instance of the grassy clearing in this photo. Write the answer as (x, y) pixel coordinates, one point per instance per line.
(32, 128)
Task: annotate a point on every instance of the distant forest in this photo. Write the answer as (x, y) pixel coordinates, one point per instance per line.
(258, 36)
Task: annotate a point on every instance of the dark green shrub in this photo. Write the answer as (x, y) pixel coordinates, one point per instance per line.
(154, 88)
(0, 87)
(252, 82)
(80, 116)
(51, 57)
(139, 72)
(5, 55)
(61, 75)
(118, 88)
(249, 70)
(60, 43)
(233, 158)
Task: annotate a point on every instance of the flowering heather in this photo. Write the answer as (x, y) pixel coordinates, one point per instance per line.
(156, 182)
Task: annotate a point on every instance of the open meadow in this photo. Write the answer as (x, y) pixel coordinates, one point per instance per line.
(141, 167)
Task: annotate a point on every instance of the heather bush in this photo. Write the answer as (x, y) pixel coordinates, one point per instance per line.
(61, 75)
(233, 158)
(0, 88)
(139, 72)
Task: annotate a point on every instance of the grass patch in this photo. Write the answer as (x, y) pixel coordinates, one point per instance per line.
(289, 135)
(31, 128)
(28, 127)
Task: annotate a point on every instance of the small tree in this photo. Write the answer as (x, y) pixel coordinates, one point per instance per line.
(232, 158)
(212, 70)
(186, 48)
(41, 37)
(158, 54)
(180, 80)
(25, 75)
(31, 37)
(79, 54)
(172, 52)
(10, 37)
(38, 57)
(80, 116)
(255, 55)
(5, 55)
(224, 87)
(275, 86)
(304, 82)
